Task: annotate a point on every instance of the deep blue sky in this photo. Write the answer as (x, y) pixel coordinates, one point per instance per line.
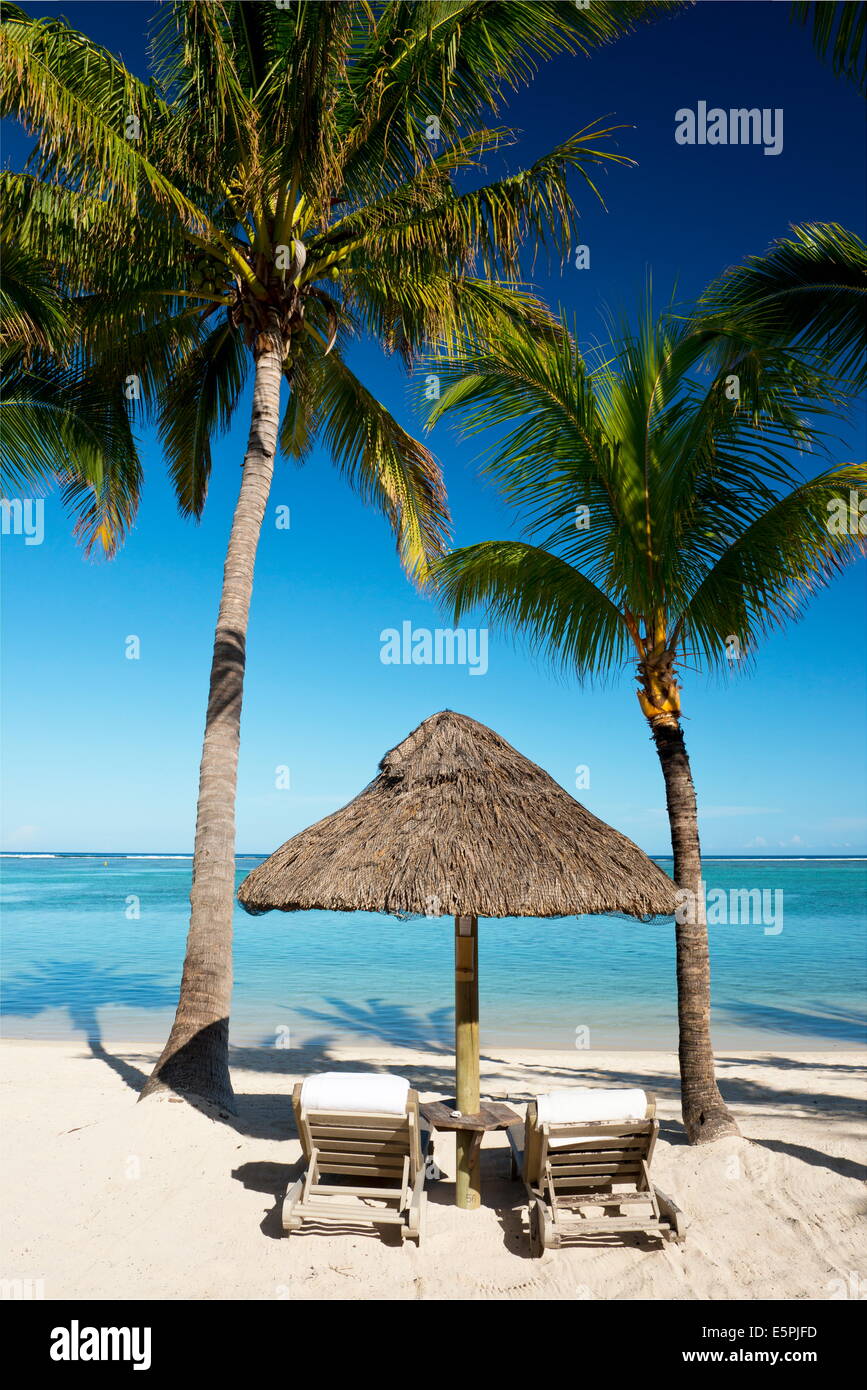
(102, 752)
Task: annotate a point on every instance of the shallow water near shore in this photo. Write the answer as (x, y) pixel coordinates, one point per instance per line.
(93, 947)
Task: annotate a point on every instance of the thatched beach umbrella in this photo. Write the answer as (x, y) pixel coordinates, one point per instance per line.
(457, 823)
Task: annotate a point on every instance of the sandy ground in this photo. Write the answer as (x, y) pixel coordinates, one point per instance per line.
(104, 1198)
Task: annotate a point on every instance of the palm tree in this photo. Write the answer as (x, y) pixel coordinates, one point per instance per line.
(665, 520)
(289, 181)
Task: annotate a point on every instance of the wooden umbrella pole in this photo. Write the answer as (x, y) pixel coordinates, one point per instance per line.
(468, 1183)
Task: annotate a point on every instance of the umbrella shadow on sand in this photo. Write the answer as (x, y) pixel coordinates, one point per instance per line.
(82, 988)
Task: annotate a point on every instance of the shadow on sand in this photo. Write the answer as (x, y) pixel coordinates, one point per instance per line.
(81, 988)
(268, 1115)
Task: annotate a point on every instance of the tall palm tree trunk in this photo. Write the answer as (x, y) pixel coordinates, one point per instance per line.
(705, 1114)
(195, 1060)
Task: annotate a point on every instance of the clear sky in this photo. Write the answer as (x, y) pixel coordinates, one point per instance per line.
(101, 752)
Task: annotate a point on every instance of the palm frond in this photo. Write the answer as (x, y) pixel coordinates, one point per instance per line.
(766, 575)
(58, 425)
(197, 401)
(381, 461)
(549, 602)
(838, 32)
(808, 289)
(32, 312)
(451, 59)
(93, 120)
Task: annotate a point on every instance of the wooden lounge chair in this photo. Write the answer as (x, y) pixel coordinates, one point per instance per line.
(355, 1158)
(568, 1166)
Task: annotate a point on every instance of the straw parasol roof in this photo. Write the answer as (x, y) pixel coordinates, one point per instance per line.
(457, 822)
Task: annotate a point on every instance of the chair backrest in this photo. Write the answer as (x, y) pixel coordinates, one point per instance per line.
(361, 1144)
(590, 1154)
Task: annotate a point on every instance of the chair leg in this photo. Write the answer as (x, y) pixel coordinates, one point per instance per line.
(543, 1236)
(415, 1222)
(537, 1249)
(550, 1236)
(292, 1223)
(672, 1214)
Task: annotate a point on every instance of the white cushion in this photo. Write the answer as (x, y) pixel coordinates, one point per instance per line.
(579, 1104)
(360, 1091)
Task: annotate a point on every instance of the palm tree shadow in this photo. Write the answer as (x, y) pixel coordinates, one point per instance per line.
(268, 1114)
(390, 1023)
(837, 1023)
(845, 1167)
(82, 988)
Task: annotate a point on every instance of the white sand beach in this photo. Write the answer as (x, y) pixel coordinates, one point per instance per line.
(105, 1198)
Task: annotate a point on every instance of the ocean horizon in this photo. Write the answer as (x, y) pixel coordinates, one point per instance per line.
(94, 945)
(128, 854)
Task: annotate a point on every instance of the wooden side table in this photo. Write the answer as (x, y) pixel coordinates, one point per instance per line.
(492, 1114)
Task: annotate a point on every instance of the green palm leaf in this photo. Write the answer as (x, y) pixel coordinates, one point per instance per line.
(58, 426)
(772, 566)
(558, 609)
(198, 401)
(838, 32)
(808, 289)
(60, 421)
(381, 461)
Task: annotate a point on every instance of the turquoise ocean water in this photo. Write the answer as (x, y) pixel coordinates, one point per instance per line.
(93, 946)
